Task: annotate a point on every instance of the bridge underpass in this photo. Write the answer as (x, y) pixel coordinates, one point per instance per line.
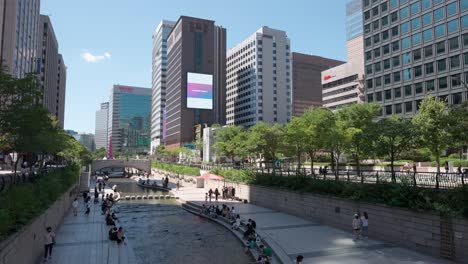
(143, 165)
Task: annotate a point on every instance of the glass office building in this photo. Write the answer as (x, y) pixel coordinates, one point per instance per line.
(129, 121)
(413, 49)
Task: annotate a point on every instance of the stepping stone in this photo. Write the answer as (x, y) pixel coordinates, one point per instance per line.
(167, 196)
(161, 196)
(127, 197)
(138, 197)
(150, 196)
(145, 197)
(133, 197)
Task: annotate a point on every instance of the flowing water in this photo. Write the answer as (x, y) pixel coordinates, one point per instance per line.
(160, 231)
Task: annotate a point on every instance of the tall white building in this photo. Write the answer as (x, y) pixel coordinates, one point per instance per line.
(344, 85)
(101, 126)
(158, 100)
(259, 79)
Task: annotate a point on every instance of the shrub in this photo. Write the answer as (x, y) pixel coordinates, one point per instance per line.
(21, 203)
(180, 169)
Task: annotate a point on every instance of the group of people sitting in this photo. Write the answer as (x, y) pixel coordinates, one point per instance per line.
(214, 211)
(115, 234)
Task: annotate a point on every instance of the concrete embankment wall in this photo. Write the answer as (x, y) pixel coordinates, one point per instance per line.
(425, 232)
(27, 245)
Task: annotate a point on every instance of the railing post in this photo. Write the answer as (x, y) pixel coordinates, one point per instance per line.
(463, 178)
(347, 174)
(437, 180)
(377, 177)
(414, 179)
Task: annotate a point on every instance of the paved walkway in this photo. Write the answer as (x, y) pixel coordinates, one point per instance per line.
(290, 236)
(84, 239)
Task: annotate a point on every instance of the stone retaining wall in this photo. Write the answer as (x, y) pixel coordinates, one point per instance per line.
(421, 231)
(27, 245)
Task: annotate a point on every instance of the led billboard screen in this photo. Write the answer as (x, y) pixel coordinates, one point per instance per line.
(199, 91)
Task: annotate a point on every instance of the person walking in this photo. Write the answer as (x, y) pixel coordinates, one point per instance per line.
(365, 225)
(210, 193)
(177, 185)
(75, 206)
(216, 193)
(356, 227)
(49, 241)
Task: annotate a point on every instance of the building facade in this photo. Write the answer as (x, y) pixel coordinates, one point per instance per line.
(195, 83)
(101, 126)
(259, 79)
(129, 121)
(19, 26)
(307, 85)
(344, 85)
(158, 102)
(87, 140)
(52, 72)
(413, 49)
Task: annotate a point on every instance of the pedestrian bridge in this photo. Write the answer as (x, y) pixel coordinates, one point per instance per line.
(144, 165)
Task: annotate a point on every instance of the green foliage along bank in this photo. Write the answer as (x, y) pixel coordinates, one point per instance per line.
(180, 169)
(22, 203)
(452, 202)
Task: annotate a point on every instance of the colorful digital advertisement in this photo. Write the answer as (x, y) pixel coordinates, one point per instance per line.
(199, 91)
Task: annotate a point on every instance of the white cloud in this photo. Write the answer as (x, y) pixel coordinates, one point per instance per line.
(89, 57)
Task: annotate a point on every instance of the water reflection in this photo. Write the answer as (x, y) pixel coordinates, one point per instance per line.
(162, 232)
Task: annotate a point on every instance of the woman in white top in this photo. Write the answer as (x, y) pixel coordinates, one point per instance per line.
(49, 240)
(237, 223)
(357, 227)
(365, 224)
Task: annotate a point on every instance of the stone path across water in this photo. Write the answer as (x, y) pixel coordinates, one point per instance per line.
(290, 236)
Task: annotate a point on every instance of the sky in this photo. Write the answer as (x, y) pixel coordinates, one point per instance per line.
(107, 42)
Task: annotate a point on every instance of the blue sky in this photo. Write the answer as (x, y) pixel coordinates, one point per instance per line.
(106, 42)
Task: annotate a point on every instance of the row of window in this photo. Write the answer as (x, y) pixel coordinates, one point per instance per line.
(340, 81)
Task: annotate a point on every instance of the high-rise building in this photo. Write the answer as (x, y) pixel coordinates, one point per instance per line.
(19, 25)
(52, 70)
(158, 101)
(307, 85)
(101, 126)
(87, 140)
(259, 79)
(344, 85)
(196, 78)
(129, 120)
(413, 49)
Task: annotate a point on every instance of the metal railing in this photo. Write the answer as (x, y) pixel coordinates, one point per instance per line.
(9, 180)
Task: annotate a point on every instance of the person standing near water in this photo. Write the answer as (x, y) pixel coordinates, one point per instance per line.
(216, 193)
(75, 206)
(210, 193)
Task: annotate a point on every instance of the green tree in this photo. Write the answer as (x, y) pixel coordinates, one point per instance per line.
(267, 140)
(433, 122)
(337, 140)
(458, 123)
(393, 136)
(357, 120)
(99, 153)
(295, 138)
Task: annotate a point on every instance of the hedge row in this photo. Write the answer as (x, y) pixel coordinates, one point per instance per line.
(21, 203)
(180, 169)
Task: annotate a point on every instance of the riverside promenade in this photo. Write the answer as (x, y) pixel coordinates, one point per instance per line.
(84, 239)
(289, 236)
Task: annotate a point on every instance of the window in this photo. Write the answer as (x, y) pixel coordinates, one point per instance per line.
(378, 96)
(398, 109)
(384, 7)
(454, 62)
(406, 58)
(394, 31)
(397, 92)
(388, 109)
(414, 8)
(428, 51)
(453, 43)
(376, 38)
(388, 94)
(386, 49)
(376, 52)
(415, 23)
(440, 47)
(369, 84)
(387, 79)
(425, 4)
(385, 35)
(378, 81)
(405, 43)
(417, 71)
(430, 86)
(368, 55)
(441, 65)
(417, 55)
(452, 8)
(367, 15)
(406, 74)
(429, 68)
(439, 31)
(396, 77)
(465, 58)
(393, 3)
(464, 5)
(368, 69)
(417, 39)
(427, 34)
(368, 42)
(436, 2)
(375, 11)
(366, 3)
(408, 107)
(465, 38)
(404, 28)
(394, 16)
(384, 21)
(404, 12)
(439, 14)
(377, 67)
(386, 64)
(367, 28)
(452, 26)
(456, 80)
(442, 83)
(370, 98)
(395, 46)
(418, 88)
(375, 25)
(396, 61)
(464, 21)
(427, 19)
(408, 90)
(456, 98)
